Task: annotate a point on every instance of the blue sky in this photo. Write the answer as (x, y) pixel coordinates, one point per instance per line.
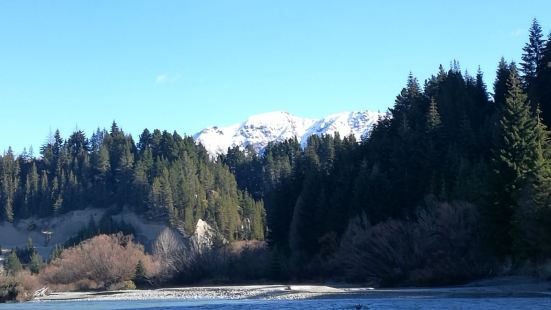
(186, 65)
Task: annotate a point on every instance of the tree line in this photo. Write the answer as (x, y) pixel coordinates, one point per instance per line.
(164, 176)
(447, 144)
(454, 176)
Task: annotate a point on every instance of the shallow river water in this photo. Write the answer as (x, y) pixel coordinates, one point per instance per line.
(370, 303)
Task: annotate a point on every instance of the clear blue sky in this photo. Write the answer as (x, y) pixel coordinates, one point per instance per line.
(185, 65)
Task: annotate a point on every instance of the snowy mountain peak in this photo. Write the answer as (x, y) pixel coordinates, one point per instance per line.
(261, 129)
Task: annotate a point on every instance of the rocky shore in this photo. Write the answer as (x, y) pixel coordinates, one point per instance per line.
(497, 287)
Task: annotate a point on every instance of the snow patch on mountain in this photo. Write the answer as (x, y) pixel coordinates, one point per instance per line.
(259, 130)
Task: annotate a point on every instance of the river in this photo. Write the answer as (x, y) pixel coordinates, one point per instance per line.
(418, 302)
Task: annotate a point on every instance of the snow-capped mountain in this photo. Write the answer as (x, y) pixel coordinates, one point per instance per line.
(261, 129)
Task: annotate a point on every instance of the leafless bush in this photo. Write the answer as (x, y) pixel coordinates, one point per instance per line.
(169, 252)
(441, 246)
(449, 238)
(98, 263)
(231, 263)
(196, 265)
(27, 285)
(8, 288)
(250, 262)
(20, 287)
(193, 262)
(381, 253)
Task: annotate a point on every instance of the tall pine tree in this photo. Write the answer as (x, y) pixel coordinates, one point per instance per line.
(533, 52)
(515, 161)
(531, 60)
(543, 83)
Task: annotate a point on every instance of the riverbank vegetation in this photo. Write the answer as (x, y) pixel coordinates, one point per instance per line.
(452, 185)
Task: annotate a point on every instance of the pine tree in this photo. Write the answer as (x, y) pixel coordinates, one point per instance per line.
(100, 163)
(37, 263)
(258, 221)
(167, 198)
(144, 141)
(44, 194)
(30, 246)
(542, 168)
(140, 186)
(500, 84)
(433, 117)
(31, 187)
(516, 160)
(480, 85)
(405, 103)
(9, 179)
(13, 264)
(125, 174)
(56, 198)
(77, 143)
(543, 82)
(534, 224)
(56, 253)
(140, 275)
(56, 154)
(533, 52)
(517, 152)
(155, 201)
(97, 140)
(7, 198)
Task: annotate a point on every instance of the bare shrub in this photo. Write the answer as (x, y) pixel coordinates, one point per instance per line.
(8, 288)
(196, 260)
(98, 263)
(250, 262)
(168, 251)
(196, 264)
(449, 238)
(27, 284)
(20, 287)
(193, 262)
(440, 247)
(382, 254)
(125, 285)
(237, 262)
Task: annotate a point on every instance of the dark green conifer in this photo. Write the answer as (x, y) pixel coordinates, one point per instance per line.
(13, 264)
(433, 117)
(533, 52)
(543, 82)
(140, 275)
(500, 84)
(36, 264)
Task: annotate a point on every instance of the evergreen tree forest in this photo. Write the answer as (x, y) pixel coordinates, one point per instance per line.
(448, 144)
(164, 176)
(455, 178)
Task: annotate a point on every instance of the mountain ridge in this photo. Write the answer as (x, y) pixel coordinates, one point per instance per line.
(260, 129)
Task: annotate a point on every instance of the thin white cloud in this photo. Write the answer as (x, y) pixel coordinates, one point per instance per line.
(517, 32)
(166, 78)
(160, 79)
